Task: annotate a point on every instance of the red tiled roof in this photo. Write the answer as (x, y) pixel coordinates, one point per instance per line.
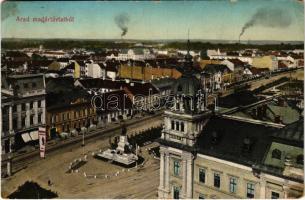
(237, 62)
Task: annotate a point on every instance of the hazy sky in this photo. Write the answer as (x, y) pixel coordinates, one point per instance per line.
(210, 19)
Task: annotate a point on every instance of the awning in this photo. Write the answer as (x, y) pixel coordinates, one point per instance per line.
(34, 135)
(26, 137)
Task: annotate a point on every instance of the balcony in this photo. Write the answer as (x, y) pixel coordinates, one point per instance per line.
(31, 93)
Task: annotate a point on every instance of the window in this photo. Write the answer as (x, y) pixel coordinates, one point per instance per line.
(176, 167)
(15, 108)
(23, 107)
(39, 118)
(177, 126)
(300, 159)
(34, 85)
(276, 154)
(31, 105)
(31, 120)
(182, 126)
(177, 106)
(202, 175)
(23, 122)
(5, 111)
(25, 85)
(233, 185)
(250, 190)
(275, 195)
(179, 88)
(63, 116)
(173, 125)
(176, 192)
(39, 104)
(216, 180)
(14, 122)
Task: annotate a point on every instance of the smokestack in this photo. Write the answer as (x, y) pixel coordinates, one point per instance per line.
(273, 17)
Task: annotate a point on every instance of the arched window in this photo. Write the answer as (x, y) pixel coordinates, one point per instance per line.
(300, 159)
(173, 125)
(182, 127)
(277, 154)
(177, 126)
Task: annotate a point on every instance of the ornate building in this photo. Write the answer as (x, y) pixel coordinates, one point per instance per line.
(204, 154)
(23, 110)
(182, 125)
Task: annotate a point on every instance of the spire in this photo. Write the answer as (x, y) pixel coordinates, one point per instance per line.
(188, 41)
(188, 57)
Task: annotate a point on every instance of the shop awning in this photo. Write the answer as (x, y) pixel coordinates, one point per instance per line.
(26, 137)
(34, 135)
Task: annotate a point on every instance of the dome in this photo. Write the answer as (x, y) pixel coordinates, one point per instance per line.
(186, 85)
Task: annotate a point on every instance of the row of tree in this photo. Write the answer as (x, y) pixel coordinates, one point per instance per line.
(100, 44)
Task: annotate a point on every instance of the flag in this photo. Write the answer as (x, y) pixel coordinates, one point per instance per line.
(42, 141)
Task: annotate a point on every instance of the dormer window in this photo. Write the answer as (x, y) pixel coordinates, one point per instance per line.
(300, 159)
(277, 154)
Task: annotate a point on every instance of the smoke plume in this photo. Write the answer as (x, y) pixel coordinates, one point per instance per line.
(122, 21)
(274, 17)
(8, 9)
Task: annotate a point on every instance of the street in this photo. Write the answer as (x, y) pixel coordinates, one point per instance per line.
(75, 185)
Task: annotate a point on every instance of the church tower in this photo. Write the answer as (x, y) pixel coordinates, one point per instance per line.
(183, 123)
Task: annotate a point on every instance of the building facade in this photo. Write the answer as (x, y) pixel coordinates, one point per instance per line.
(23, 110)
(204, 154)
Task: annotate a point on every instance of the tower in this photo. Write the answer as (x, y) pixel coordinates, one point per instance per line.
(183, 123)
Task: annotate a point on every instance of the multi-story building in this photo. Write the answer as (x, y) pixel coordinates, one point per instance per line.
(23, 110)
(269, 62)
(205, 154)
(95, 70)
(68, 111)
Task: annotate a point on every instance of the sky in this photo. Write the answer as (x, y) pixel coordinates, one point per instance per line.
(150, 20)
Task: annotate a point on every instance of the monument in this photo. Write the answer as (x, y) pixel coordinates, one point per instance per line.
(121, 155)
